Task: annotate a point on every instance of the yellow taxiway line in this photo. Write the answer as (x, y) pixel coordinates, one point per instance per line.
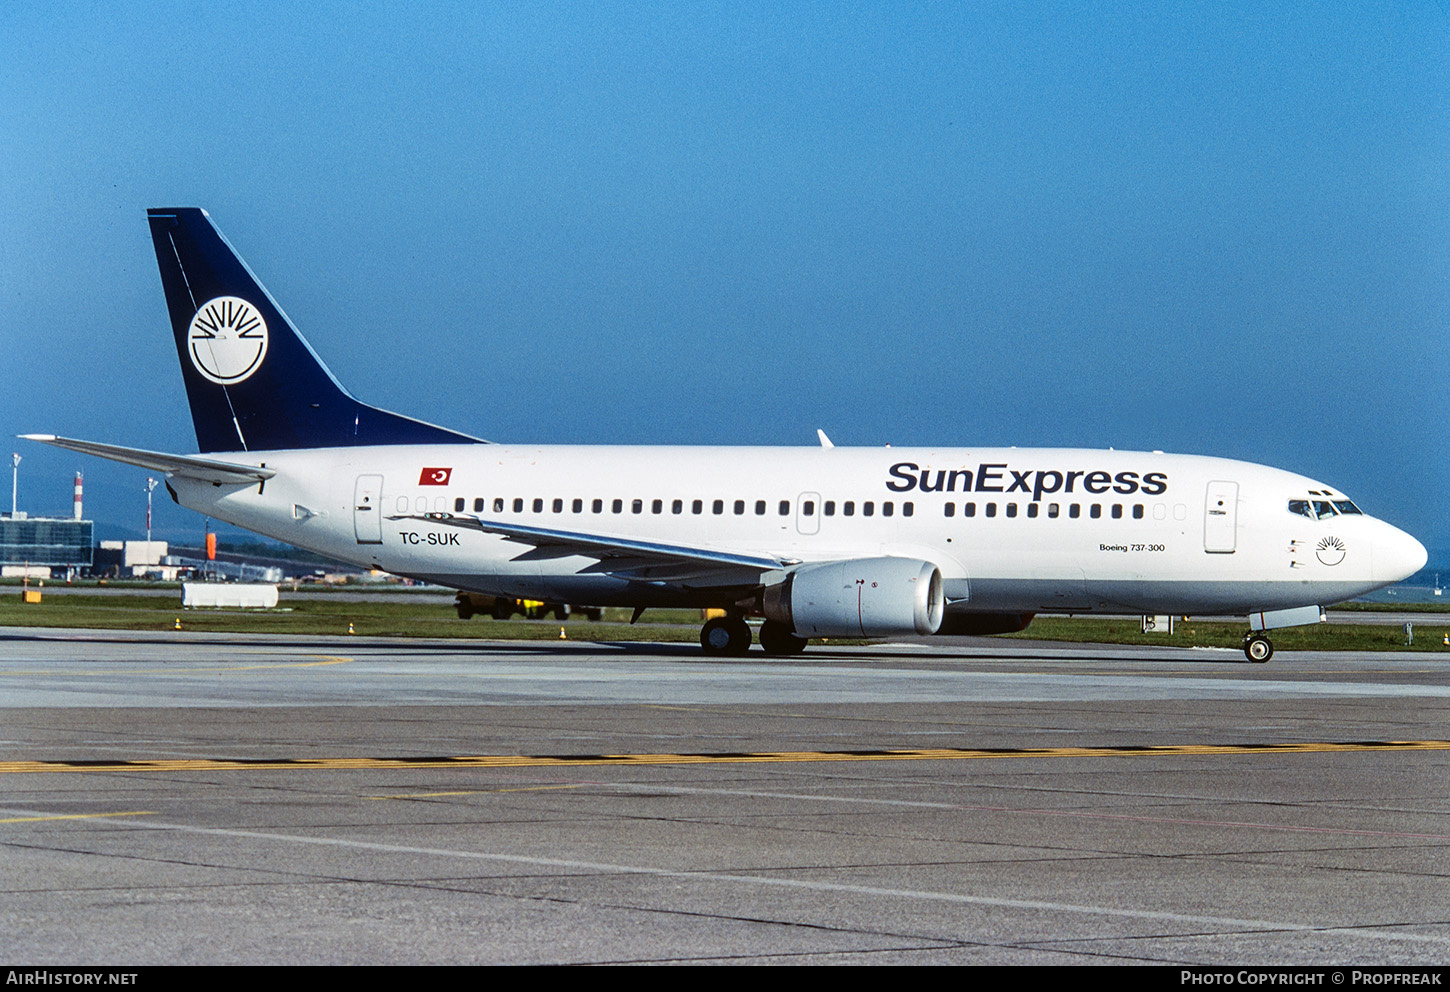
(581, 760)
(74, 816)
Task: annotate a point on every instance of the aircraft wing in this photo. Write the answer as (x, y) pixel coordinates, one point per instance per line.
(187, 466)
(616, 555)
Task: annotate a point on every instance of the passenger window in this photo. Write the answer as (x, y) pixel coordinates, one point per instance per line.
(538, 506)
(1011, 509)
(1137, 511)
(596, 506)
(657, 506)
(760, 508)
(498, 504)
(888, 508)
(420, 505)
(848, 508)
(478, 505)
(636, 506)
(1074, 511)
(969, 509)
(808, 508)
(868, 508)
(949, 509)
(1052, 511)
(518, 505)
(402, 504)
(678, 506)
(907, 509)
(1117, 511)
(577, 506)
(1096, 511)
(458, 504)
(718, 507)
(617, 506)
(785, 508)
(739, 507)
(1032, 509)
(558, 506)
(698, 506)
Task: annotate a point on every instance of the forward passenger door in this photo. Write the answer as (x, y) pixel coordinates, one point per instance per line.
(1220, 518)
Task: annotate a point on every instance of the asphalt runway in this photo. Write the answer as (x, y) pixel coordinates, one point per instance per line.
(188, 798)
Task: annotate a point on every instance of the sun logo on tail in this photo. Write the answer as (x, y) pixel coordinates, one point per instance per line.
(228, 340)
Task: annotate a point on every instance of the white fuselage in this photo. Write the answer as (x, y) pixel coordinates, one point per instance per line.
(1062, 530)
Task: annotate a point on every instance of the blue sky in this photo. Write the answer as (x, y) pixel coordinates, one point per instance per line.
(1219, 229)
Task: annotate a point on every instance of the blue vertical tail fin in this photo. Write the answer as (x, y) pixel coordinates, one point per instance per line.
(253, 381)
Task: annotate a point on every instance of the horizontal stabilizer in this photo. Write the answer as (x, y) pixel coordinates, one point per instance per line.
(187, 466)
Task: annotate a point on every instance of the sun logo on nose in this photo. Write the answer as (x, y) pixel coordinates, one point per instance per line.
(1330, 551)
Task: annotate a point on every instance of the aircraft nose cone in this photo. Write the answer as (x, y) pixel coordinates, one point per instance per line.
(1397, 556)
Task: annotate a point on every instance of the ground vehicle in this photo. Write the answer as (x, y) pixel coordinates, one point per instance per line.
(502, 607)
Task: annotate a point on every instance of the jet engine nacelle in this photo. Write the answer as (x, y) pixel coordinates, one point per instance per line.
(863, 597)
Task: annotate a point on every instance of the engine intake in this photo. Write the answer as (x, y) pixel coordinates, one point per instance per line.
(863, 597)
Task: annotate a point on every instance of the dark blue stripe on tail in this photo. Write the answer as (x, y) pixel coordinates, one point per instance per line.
(253, 381)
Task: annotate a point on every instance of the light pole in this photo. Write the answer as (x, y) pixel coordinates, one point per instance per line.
(14, 481)
(150, 488)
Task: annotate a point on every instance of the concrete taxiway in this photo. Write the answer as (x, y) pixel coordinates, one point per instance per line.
(180, 797)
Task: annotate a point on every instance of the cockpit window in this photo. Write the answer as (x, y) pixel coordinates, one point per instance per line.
(1322, 509)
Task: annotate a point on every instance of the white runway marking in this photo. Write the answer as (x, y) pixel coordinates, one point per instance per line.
(606, 868)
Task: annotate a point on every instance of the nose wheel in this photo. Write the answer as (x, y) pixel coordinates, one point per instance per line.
(725, 636)
(1257, 648)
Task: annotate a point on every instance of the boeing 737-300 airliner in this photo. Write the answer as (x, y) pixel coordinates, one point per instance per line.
(819, 541)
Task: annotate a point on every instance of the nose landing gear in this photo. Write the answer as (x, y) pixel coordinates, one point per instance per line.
(1258, 648)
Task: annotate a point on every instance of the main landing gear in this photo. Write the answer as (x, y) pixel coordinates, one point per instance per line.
(731, 636)
(777, 638)
(1258, 648)
(725, 636)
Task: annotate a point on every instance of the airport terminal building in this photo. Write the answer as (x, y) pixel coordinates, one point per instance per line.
(40, 544)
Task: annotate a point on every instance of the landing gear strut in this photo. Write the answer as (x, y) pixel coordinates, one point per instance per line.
(725, 636)
(1257, 648)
